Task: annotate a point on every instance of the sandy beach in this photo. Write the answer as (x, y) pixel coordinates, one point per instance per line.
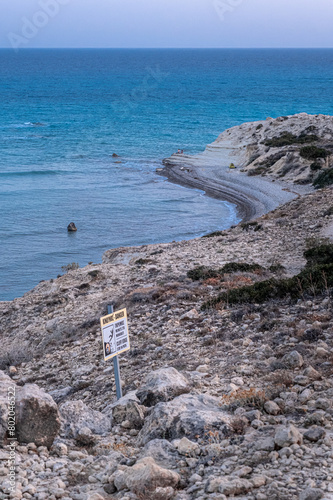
(253, 196)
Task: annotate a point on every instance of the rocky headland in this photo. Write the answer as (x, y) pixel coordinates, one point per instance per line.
(229, 381)
(284, 158)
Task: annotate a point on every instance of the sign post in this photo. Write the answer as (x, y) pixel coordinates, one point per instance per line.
(116, 368)
(115, 340)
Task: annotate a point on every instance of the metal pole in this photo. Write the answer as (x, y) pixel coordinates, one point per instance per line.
(116, 367)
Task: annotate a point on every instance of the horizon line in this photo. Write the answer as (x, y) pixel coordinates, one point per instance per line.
(168, 48)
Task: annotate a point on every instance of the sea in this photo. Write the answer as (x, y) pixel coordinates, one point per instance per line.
(64, 114)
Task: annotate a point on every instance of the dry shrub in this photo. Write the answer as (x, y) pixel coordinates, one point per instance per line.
(237, 282)
(123, 449)
(280, 379)
(15, 355)
(238, 425)
(212, 281)
(213, 437)
(252, 397)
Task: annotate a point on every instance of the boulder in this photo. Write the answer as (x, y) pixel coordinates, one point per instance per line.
(130, 396)
(305, 396)
(77, 416)
(190, 315)
(145, 477)
(59, 448)
(286, 436)
(188, 448)
(301, 380)
(163, 493)
(323, 404)
(205, 369)
(243, 471)
(187, 415)
(322, 352)
(37, 416)
(311, 494)
(315, 434)
(163, 452)
(293, 359)
(84, 436)
(237, 486)
(227, 485)
(312, 373)
(59, 394)
(252, 415)
(271, 408)
(162, 385)
(258, 481)
(132, 413)
(128, 409)
(266, 444)
(95, 496)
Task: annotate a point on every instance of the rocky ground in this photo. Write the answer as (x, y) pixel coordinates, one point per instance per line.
(233, 401)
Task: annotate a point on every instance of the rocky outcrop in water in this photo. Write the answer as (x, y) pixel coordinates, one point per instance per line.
(71, 228)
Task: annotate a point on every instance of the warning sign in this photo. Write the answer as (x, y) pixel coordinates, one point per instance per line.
(115, 334)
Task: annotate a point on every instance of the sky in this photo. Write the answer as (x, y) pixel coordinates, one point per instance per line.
(165, 23)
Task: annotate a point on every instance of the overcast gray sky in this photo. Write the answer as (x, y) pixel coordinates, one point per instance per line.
(166, 23)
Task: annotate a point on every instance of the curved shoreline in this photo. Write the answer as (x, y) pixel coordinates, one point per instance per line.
(245, 209)
(253, 196)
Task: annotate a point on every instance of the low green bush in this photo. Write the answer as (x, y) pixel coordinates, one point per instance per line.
(324, 179)
(203, 272)
(70, 267)
(316, 165)
(316, 277)
(310, 281)
(212, 235)
(276, 268)
(142, 262)
(287, 139)
(319, 255)
(242, 267)
(255, 226)
(313, 152)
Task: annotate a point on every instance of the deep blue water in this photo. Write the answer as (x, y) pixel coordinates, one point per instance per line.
(63, 113)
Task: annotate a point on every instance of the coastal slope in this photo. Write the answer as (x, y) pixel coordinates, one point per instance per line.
(232, 400)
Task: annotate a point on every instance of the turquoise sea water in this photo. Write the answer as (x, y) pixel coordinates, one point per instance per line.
(63, 113)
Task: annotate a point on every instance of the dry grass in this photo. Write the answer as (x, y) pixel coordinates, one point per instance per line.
(252, 397)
